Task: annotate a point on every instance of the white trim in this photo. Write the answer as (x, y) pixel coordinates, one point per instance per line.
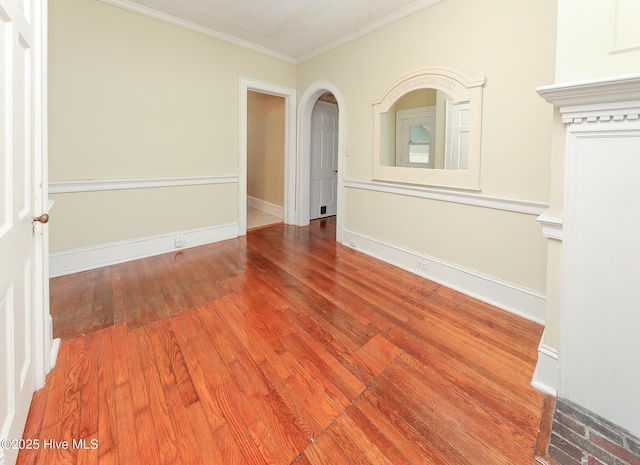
(289, 95)
(89, 258)
(268, 207)
(597, 91)
(305, 110)
(44, 323)
(91, 185)
(608, 99)
(545, 376)
(513, 298)
(447, 195)
(193, 27)
(551, 227)
(459, 86)
(55, 349)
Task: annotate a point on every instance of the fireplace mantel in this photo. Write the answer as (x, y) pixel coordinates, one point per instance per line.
(611, 99)
(599, 319)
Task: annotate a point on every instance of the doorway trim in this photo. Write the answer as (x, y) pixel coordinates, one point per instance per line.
(289, 95)
(303, 191)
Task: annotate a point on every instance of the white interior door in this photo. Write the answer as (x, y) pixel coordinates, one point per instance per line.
(23, 361)
(324, 160)
(457, 143)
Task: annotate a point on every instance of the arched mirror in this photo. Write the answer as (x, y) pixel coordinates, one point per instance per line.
(427, 128)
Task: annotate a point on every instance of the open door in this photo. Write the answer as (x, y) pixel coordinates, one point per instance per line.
(25, 338)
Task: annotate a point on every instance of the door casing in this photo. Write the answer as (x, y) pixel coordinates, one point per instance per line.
(289, 95)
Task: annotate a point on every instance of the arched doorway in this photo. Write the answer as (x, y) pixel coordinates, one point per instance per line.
(303, 190)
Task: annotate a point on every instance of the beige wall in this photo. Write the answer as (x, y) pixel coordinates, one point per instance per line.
(133, 97)
(90, 218)
(513, 46)
(597, 39)
(265, 147)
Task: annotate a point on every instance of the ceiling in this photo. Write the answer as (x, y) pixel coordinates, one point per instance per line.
(292, 30)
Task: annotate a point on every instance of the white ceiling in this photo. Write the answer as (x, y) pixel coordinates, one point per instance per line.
(292, 30)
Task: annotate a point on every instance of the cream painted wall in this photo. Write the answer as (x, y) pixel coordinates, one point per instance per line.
(265, 147)
(92, 218)
(497, 243)
(133, 97)
(516, 136)
(597, 39)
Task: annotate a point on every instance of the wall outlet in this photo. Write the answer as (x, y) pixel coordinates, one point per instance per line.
(422, 265)
(179, 242)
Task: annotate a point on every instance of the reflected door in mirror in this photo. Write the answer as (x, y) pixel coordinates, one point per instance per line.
(414, 145)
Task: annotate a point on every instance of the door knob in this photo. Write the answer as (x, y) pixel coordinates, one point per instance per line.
(44, 218)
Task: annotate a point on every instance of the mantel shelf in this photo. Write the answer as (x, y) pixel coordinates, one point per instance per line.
(611, 99)
(596, 92)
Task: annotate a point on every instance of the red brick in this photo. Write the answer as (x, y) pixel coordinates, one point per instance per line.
(614, 449)
(561, 458)
(566, 447)
(570, 423)
(594, 461)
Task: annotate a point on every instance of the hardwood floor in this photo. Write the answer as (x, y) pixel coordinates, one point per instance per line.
(282, 348)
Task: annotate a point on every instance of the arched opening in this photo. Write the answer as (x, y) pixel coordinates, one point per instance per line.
(303, 191)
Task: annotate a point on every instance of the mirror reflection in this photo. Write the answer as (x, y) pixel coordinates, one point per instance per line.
(425, 128)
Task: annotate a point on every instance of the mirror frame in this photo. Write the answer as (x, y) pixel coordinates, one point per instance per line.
(459, 86)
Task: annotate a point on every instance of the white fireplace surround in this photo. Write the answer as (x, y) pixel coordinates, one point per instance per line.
(596, 362)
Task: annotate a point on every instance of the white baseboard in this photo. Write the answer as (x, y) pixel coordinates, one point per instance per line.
(515, 299)
(272, 209)
(545, 376)
(53, 356)
(89, 258)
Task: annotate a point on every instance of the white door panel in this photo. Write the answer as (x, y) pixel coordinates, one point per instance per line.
(457, 142)
(324, 160)
(22, 286)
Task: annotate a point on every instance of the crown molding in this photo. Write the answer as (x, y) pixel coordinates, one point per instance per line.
(191, 26)
(368, 29)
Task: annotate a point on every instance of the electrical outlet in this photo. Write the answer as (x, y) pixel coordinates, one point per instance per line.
(422, 264)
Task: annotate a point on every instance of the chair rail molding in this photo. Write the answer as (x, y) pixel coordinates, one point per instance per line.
(92, 185)
(551, 226)
(449, 195)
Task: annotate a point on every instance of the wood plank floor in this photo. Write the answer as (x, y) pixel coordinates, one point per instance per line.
(282, 347)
